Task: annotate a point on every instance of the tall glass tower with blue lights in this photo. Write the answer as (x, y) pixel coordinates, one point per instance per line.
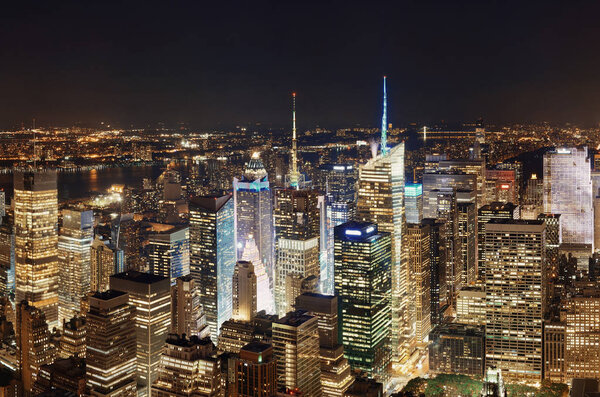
(213, 256)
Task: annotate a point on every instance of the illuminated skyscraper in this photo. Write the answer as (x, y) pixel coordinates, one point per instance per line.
(335, 370)
(515, 293)
(363, 257)
(72, 340)
(568, 192)
(104, 263)
(255, 371)
(213, 256)
(187, 315)
(188, 368)
(74, 244)
(417, 240)
(467, 234)
(244, 291)
(7, 255)
(296, 350)
(33, 343)
(111, 345)
(264, 294)
(254, 210)
(297, 228)
(413, 200)
(381, 201)
(36, 241)
(151, 297)
(485, 214)
(437, 261)
(338, 183)
(170, 253)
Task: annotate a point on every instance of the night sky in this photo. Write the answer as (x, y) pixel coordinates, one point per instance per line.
(216, 66)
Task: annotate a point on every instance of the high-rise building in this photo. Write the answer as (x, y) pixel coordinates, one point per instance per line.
(74, 244)
(253, 200)
(7, 255)
(72, 340)
(413, 201)
(111, 345)
(440, 182)
(363, 257)
(213, 256)
(457, 349)
(515, 292)
(470, 306)
(234, 335)
(187, 315)
(533, 200)
(553, 243)
(151, 297)
(467, 234)
(469, 167)
(244, 291)
(36, 241)
(33, 343)
(170, 253)
(188, 368)
(437, 261)
(484, 215)
(418, 245)
(554, 350)
(582, 330)
(501, 185)
(255, 371)
(338, 183)
(296, 350)
(264, 293)
(66, 374)
(381, 201)
(568, 192)
(297, 232)
(104, 263)
(335, 370)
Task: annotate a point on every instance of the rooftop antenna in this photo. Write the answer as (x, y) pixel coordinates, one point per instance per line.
(34, 155)
(294, 178)
(384, 148)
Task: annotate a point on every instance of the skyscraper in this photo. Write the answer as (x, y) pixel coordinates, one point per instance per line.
(33, 343)
(413, 200)
(253, 200)
(363, 257)
(335, 370)
(381, 201)
(417, 240)
(188, 368)
(213, 256)
(515, 286)
(74, 244)
(296, 350)
(151, 297)
(568, 192)
(437, 261)
(255, 371)
(187, 315)
(36, 241)
(170, 253)
(264, 293)
(244, 291)
(485, 214)
(297, 231)
(104, 263)
(111, 345)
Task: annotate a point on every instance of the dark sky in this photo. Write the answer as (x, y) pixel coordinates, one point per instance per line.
(237, 62)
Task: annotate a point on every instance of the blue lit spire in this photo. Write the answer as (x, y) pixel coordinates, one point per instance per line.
(384, 148)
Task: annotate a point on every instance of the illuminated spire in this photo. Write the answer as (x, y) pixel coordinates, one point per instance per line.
(294, 175)
(384, 148)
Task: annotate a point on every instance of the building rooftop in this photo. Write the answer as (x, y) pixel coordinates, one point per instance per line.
(295, 319)
(257, 347)
(108, 295)
(138, 277)
(211, 203)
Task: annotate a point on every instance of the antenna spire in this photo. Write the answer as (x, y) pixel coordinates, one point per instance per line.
(294, 177)
(384, 148)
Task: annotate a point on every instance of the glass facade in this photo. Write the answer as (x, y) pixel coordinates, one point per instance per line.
(213, 256)
(413, 200)
(363, 259)
(568, 192)
(36, 241)
(170, 254)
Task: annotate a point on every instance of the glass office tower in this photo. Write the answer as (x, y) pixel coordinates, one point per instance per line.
(213, 256)
(568, 192)
(363, 258)
(413, 201)
(36, 241)
(170, 253)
